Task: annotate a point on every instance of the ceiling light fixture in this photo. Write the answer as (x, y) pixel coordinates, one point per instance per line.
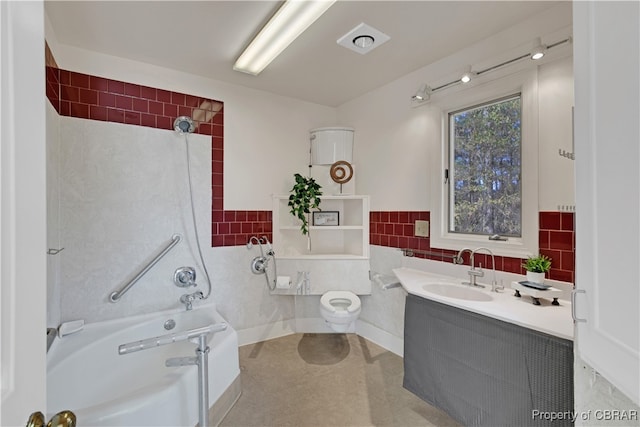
(291, 20)
(467, 75)
(364, 41)
(538, 50)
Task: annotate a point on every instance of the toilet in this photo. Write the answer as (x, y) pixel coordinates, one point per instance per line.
(340, 309)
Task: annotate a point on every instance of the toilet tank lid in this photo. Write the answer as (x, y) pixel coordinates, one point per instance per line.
(332, 128)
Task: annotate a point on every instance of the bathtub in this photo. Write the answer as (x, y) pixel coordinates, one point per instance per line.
(86, 375)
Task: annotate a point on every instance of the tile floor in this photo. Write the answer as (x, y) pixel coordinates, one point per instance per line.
(326, 380)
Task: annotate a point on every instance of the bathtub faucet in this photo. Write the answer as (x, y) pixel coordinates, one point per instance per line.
(187, 299)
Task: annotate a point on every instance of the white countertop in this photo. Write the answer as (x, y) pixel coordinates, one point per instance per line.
(547, 318)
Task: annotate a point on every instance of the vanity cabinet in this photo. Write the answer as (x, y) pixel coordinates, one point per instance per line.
(349, 239)
(483, 371)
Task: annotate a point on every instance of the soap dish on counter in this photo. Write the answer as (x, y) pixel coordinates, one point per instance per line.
(541, 291)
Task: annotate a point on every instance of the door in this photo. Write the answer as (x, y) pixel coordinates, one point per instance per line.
(607, 142)
(22, 212)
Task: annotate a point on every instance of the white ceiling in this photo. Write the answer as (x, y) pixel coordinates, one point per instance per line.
(206, 37)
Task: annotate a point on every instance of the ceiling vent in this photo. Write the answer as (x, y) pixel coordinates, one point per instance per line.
(363, 39)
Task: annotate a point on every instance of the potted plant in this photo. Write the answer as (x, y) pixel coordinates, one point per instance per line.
(305, 195)
(536, 268)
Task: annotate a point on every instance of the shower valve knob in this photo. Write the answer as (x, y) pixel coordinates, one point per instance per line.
(185, 277)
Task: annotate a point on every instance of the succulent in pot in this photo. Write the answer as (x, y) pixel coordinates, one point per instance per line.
(537, 267)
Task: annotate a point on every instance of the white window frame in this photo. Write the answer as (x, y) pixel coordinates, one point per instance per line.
(525, 83)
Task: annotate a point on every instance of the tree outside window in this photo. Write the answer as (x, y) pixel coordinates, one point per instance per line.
(485, 191)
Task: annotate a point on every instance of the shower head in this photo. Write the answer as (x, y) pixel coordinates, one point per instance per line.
(184, 124)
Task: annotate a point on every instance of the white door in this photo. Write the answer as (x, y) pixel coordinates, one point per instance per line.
(607, 142)
(22, 212)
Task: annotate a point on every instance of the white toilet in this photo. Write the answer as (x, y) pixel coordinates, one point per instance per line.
(340, 309)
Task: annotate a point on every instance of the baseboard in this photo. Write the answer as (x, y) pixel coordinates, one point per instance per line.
(266, 332)
(383, 338)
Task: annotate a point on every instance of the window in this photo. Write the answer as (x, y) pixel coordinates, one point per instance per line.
(485, 191)
(484, 166)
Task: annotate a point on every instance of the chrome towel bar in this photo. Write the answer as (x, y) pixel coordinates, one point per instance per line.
(115, 296)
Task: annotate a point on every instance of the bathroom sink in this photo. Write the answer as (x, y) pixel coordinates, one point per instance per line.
(456, 291)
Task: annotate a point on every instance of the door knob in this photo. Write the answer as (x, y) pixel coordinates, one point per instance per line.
(61, 419)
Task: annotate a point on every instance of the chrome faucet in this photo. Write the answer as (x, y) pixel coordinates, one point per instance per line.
(473, 272)
(187, 299)
(494, 283)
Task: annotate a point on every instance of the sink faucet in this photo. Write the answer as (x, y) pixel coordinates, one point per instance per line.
(494, 283)
(187, 299)
(473, 272)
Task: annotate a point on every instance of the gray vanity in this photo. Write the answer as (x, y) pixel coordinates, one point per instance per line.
(483, 370)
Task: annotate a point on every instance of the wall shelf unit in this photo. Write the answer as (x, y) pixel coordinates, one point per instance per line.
(348, 240)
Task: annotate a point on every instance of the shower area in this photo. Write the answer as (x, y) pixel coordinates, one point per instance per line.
(117, 194)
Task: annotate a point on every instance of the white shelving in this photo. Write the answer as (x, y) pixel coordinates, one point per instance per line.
(347, 240)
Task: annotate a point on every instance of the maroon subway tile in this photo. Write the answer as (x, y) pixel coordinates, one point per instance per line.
(97, 112)
(217, 130)
(163, 122)
(115, 115)
(566, 221)
(64, 77)
(562, 275)
(205, 129)
(555, 256)
(88, 96)
(217, 202)
(549, 220)
(98, 83)
(217, 216)
(217, 241)
(156, 108)
(163, 95)
(79, 110)
(178, 98)
(224, 228)
(148, 93)
(393, 217)
(148, 120)
(170, 110)
(543, 239)
(562, 240)
(567, 261)
(106, 99)
(235, 227)
(218, 118)
(184, 111)
(124, 102)
(192, 101)
(80, 80)
(132, 118)
(131, 89)
(140, 105)
(69, 93)
(116, 87)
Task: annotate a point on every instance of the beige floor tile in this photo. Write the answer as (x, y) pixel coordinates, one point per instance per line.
(326, 380)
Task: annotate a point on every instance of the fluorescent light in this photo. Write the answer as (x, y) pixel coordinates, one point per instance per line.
(293, 17)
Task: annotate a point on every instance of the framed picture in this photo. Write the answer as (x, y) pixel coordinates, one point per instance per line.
(326, 218)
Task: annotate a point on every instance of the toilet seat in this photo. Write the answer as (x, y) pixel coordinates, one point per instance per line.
(329, 297)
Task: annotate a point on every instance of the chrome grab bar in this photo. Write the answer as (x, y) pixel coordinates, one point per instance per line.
(161, 340)
(115, 296)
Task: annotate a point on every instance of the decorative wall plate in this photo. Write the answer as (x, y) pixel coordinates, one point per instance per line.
(341, 172)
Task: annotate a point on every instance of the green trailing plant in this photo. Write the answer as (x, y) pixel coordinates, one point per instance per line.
(537, 264)
(305, 195)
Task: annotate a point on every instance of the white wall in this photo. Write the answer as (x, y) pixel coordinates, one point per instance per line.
(394, 147)
(123, 194)
(266, 137)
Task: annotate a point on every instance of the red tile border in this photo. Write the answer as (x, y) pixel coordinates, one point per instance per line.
(556, 240)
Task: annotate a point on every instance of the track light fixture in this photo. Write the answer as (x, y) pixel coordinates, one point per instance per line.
(538, 50)
(423, 94)
(467, 75)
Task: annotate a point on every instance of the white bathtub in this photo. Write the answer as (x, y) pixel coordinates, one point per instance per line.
(86, 374)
